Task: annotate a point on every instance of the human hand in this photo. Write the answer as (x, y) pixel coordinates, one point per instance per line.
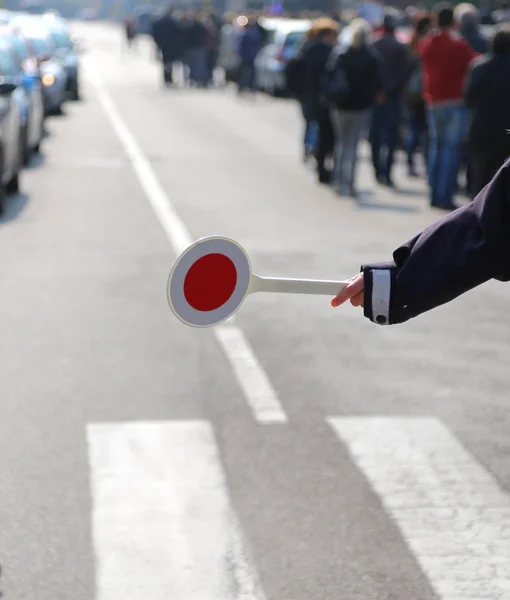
(353, 291)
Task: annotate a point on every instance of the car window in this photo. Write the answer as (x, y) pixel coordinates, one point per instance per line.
(61, 40)
(40, 46)
(19, 47)
(294, 40)
(8, 66)
(270, 37)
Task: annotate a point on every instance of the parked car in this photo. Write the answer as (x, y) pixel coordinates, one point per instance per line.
(283, 42)
(53, 73)
(11, 134)
(29, 80)
(66, 52)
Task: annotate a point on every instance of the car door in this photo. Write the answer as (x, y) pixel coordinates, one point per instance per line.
(11, 110)
(36, 124)
(272, 64)
(33, 87)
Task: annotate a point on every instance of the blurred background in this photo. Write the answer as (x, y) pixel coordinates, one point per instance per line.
(119, 9)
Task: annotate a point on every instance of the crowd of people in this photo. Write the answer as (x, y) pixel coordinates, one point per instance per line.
(443, 94)
(448, 89)
(189, 38)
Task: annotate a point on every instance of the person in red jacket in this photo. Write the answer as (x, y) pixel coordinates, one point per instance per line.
(445, 60)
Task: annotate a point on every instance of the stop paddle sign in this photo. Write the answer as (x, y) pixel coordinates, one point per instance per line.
(211, 279)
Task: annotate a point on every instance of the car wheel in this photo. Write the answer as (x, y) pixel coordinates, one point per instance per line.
(75, 91)
(25, 150)
(55, 111)
(2, 200)
(37, 147)
(13, 185)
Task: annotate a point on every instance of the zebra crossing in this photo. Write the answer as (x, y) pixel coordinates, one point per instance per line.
(164, 524)
(162, 514)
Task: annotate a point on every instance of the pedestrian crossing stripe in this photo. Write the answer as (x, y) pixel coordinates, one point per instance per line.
(164, 526)
(449, 509)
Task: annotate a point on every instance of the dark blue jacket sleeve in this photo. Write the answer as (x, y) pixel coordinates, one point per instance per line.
(461, 251)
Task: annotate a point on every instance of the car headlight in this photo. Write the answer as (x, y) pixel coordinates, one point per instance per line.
(48, 79)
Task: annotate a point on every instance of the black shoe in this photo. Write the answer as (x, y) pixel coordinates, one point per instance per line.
(325, 177)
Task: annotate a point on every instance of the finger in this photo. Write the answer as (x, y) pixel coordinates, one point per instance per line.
(350, 290)
(355, 285)
(358, 299)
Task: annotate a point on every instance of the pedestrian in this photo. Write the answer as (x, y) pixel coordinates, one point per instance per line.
(194, 38)
(165, 32)
(197, 51)
(463, 250)
(250, 43)
(130, 31)
(352, 83)
(502, 14)
(467, 17)
(212, 46)
(416, 116)
(310, 68)
(487, 95)
(387, 113)
(445, 61)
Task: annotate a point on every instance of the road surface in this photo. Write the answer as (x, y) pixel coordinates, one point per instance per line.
(297, 453)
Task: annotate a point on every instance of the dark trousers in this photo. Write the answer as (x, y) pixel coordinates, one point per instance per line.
(168, 68)
(416, 133)
(212, 60)
(384, 134)
(486, 160)
(324, 147)
(447, 126)
(246, 79)
(308, 109)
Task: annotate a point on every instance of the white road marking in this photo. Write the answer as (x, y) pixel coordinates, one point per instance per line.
(163, 525)
(260, 394)
(250, 375)
(450, 510)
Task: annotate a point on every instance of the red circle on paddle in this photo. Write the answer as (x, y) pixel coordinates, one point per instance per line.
(210, 282)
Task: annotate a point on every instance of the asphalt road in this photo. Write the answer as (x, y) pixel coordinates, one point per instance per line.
(126, 437)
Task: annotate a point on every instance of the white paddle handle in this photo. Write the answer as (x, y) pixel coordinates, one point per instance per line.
(295, 286)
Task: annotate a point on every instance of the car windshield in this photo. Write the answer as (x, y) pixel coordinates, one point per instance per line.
(19, 47)
(62, 40)
(40, 47)
(7, 64)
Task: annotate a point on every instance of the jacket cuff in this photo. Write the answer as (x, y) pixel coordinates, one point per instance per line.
(379, 280)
